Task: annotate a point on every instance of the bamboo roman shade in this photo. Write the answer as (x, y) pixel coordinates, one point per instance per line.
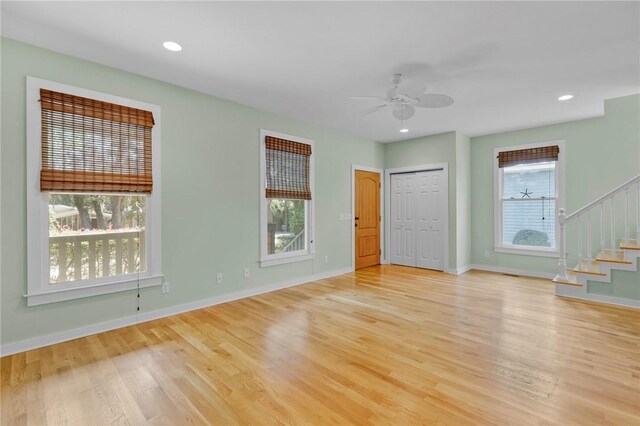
(94, 146)
(287, 169)
(527, 156)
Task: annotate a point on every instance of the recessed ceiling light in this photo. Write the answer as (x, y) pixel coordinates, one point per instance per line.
(565, 97)
(404, 130)
(172, 46)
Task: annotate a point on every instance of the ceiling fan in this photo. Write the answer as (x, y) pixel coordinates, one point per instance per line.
(404, 97)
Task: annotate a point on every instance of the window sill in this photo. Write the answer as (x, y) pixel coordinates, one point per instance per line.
(289, 259)
(527, 252)
(70, 293)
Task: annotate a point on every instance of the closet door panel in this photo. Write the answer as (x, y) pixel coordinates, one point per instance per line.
(430, 201)
(403, 250)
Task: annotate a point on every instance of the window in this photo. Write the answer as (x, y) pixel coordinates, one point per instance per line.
(95, 236)
(528, 194)
(286, 198)
(286, 226)
(93, 205)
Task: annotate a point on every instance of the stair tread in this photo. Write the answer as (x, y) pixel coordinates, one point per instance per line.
(629, 246)
(591, 268)
(572, 279)
(589, 272)
(606, 256)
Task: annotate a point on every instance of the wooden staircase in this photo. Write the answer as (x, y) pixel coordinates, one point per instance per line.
(599, 269)
(616, 248)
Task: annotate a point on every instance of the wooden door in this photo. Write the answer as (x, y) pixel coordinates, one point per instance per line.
(367, 219)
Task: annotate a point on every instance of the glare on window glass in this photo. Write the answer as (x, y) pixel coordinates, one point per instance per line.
(529, 205)
(95, 236)
(285, 226)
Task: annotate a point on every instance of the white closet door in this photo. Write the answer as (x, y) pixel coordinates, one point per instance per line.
(429, 187)
(403, 243)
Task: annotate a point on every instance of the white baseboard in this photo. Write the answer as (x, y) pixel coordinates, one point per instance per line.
(88, 330)
(460, 270)
(512, 271)
(581, 293)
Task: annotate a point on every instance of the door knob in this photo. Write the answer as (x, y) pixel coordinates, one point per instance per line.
(356, 218)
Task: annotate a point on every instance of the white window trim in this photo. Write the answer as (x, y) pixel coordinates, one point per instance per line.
(499, 247)
(39, 291)
(282, 258)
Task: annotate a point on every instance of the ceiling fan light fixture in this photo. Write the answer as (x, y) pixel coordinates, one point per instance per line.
(404, 112)
(404, 97)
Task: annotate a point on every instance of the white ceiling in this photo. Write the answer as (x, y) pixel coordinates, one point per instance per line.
(504, 63)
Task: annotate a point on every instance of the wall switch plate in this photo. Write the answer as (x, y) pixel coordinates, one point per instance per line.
(247, 272)
(487, 253)
(165, 288)
(219, 278)
(326, 259)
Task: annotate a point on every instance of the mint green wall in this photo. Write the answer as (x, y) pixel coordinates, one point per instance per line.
(430, 150)
(463, 200)
(210, 219)
(210, 185)
(601, 153)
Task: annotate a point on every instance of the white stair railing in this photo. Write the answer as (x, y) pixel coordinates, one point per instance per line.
(296, 244)
(600, 203)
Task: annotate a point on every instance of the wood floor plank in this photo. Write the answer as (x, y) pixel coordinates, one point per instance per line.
(383, 345)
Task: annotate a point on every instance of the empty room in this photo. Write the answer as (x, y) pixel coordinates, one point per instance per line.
(320, 213)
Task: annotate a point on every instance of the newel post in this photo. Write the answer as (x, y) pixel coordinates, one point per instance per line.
(562, 260)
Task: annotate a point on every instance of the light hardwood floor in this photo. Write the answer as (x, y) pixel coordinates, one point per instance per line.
(385, 345)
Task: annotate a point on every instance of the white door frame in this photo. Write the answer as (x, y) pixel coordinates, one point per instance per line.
(355, 167)
(387, 205)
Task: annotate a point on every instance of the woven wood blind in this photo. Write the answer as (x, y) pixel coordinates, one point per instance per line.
(94, 146)
(287, 171)
(527, 156)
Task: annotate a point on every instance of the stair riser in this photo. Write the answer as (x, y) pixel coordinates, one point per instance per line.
(608, 267)
(632, 255)
(583, 278)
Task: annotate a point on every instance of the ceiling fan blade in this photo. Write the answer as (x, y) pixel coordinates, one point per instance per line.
(404, 112)
(433, 100)
(377, 98)
(373, 109)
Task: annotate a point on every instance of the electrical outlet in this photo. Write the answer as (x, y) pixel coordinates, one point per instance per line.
(326, 259)
(487, 253)
(165, 288)
(247, 272)
(219, 278)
